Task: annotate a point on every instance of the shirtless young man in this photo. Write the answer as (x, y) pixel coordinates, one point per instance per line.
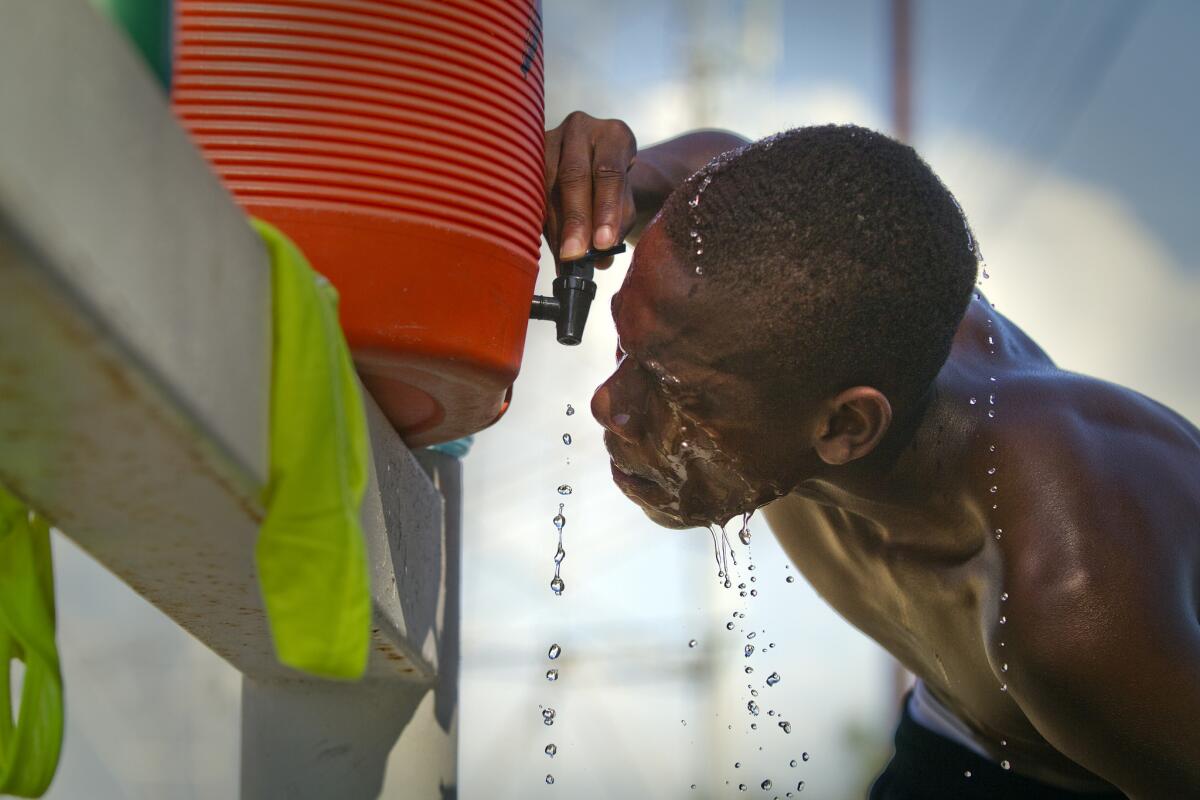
(807, 339)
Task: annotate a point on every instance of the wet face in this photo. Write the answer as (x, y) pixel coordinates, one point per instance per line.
(691, 441)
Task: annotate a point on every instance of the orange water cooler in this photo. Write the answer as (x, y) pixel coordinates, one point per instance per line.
(399, 143)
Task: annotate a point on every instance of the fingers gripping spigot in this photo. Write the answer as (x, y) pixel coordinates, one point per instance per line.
(574, 291)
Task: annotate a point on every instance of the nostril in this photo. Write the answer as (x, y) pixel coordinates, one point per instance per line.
(620, 420)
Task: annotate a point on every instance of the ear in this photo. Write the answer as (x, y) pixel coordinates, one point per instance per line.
(855, 422)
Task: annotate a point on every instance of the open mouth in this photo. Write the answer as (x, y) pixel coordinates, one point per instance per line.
(644, 490)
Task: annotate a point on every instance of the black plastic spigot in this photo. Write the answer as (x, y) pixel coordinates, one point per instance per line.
(574, 291)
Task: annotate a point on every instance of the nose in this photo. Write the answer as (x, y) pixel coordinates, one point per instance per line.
(613, 414)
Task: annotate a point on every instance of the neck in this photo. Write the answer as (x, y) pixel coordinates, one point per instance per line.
(913, 486)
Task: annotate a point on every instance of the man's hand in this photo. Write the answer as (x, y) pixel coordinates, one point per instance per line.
(589, 197)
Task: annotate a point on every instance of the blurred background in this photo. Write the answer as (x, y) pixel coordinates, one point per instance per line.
(1065, 129)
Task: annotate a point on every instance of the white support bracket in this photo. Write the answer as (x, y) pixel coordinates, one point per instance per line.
(135, 363)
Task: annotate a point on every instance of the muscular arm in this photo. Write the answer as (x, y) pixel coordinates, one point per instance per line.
(1103, 642)
(662, 167)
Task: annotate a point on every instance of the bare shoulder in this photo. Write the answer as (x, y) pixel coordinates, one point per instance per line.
(1099, 493)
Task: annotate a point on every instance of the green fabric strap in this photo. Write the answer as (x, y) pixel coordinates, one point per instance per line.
(29, 749)
(311, 556)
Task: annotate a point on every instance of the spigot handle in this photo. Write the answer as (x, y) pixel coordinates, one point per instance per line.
(574, 291)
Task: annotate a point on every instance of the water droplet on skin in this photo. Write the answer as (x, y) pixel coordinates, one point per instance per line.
(972, 401)
(548, 716)
(804, 756)
(766, 784)
(773, 679)
(554, 652)
(565, 489)
(1005, 764)
(557, 585)
(691, 642)
(790, 579)
(1003, 595)
(728, 626)
(551, 675)
(570, 409)
(551, 750)
(566, 438)
(752, 707)
(1003, 620)
(549, 778)
(787, 728)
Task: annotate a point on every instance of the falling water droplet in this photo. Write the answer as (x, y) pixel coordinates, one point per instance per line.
(699, 251)
(1003, 595)
(1004, 687)
(741, 787)
(1004, 667)
(551, 675)
(551, 750)
(554, 652)
(804, 756)
(548, 716)
(549, 778)
(751, 635)
(800, 786)
(559, 555)
(1005, 764)
(754, 592)
(752, 707)
(699, 270)
(993, 489)
(972, 401)
(749, 670)
(773, 679)
(749, 650)
(570, 410)
(991, 448)
(744, 535)
(986, 275)
(566, 438)
(991, 399)
(683, 722)
(559, 520)
(991, 471)
(967, 774)
(766, 784)
(728, 626)
(557, 585)
(790, 579)
(565, 489)
(691, 642)
(787, 728)
(991, 413)
(1003, 620)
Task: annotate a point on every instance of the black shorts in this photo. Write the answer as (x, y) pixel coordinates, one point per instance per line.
(928, 766)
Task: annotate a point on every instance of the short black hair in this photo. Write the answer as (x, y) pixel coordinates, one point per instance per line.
(848, 250)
